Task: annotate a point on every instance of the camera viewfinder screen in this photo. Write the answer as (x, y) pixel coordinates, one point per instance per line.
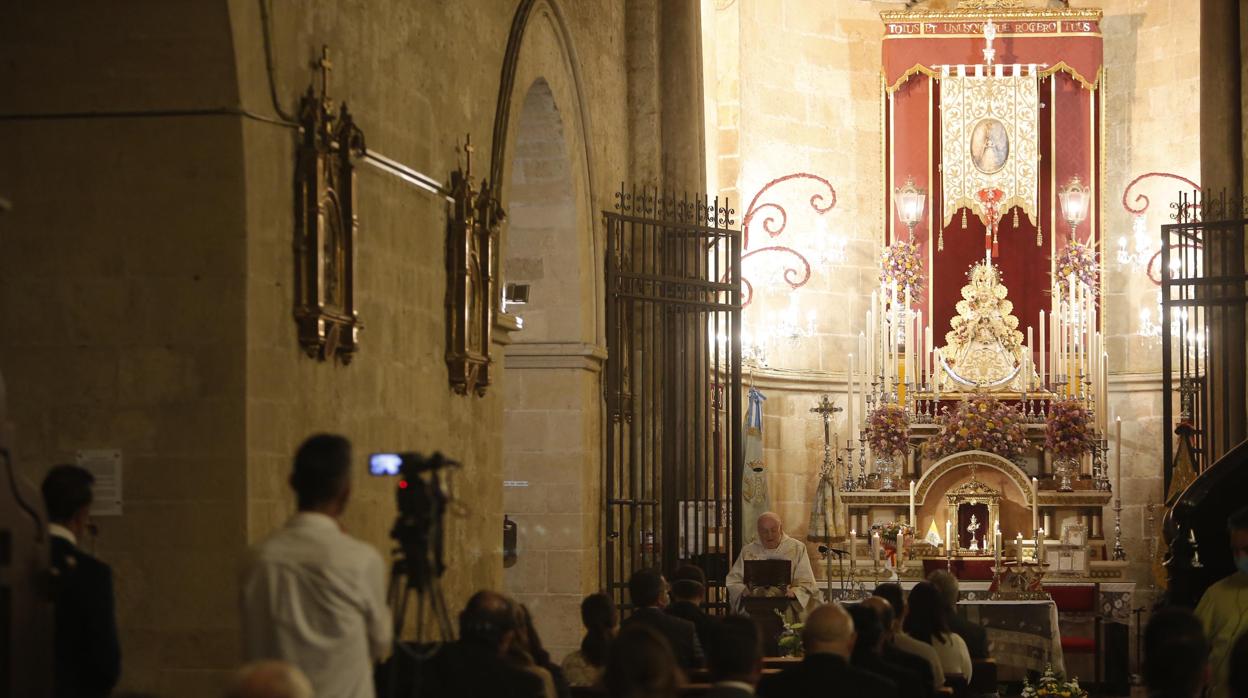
(384, 463)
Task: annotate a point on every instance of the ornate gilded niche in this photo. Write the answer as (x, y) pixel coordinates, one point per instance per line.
(326, 225)
(471, 256)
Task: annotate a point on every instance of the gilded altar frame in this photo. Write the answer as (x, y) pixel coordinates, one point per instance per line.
(975, 492)
(326, 226)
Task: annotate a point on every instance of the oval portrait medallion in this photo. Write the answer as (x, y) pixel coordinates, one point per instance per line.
(990, 146)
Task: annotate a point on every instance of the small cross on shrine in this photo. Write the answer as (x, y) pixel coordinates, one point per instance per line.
(469, 149)
(325, 67)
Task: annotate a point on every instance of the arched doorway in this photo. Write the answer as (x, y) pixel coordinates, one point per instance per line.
(550, 385)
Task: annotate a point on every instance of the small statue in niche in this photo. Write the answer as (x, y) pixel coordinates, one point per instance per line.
(971, 529)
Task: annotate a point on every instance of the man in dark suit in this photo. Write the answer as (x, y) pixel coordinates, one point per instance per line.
(827, 639)
(975, 636)
(688, 592)
(890, 653)
(475, 666)
(648, 591)
(735, 657)
(868, 653)
(87, 653)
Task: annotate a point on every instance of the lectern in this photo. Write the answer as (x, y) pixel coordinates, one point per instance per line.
(765, 599)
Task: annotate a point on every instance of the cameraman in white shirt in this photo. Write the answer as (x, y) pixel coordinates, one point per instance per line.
(313, 595)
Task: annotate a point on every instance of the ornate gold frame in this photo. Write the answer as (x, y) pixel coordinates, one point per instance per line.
(975, 492)
(326, 225)
(471, 258)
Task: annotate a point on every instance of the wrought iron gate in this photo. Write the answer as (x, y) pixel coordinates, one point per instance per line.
(673, 388)
(1203, 293)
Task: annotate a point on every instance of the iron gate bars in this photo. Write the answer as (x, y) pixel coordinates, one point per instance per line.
(1203, 294)
(672, 389)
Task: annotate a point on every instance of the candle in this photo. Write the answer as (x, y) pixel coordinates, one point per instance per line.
(996, 546)
(913, 521)
(1040, 546)
(1035, 504)
(853, 547)
(949, 542)
(1018, 546)
(849, 399)
(1118, 455)
(875, 548)
(1029, 366)
(1042, 353)
(931, 357)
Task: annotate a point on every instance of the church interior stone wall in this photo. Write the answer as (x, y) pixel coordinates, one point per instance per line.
(146, 281)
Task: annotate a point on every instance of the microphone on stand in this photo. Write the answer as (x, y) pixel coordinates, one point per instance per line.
(824, 550)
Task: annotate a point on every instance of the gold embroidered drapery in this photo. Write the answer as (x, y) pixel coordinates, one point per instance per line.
(989, 140)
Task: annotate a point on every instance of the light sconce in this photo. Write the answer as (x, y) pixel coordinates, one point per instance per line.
(1074, 201)
(909, 201)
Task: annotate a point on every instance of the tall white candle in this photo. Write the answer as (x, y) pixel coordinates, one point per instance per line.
(913, 521)
(1035, 504)
(853, 547)
(1043, 366)
(931, 356)
(1030, 364)
(1118, 455)
(849, 399)
(950, 543)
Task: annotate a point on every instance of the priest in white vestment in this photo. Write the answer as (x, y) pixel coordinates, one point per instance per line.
(773, 544)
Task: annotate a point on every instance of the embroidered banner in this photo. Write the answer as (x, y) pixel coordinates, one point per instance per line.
(754, 499)
(989, 140)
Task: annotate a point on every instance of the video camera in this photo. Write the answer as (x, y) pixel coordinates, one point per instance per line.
(422, 506)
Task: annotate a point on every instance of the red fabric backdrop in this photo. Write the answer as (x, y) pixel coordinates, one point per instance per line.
(912, 150)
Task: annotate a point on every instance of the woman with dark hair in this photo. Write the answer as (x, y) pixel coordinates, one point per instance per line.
(528, 653)
(925, 621)
(641, 665)
(584, 667)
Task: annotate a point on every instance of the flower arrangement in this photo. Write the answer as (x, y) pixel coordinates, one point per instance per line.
(790, 641)
(901, 264)
(888, 431)
(1066, 433)
(1079, 259)
(980, 423)
(1053, 685)
(892, 530)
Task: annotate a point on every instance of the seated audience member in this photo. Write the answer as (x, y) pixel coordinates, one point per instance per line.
(641, 665)
(313, 595)
(648, 591)
(892, 593)
(735, 657)
(86, 653)
(1223, 609)
(528, 653)
(925, 622)
(584, 667)
(688, 593)
(913, 663)
(868, 653)
(828, 639)
(270, 679)
(477, 665)
(1176, 655)
(1238, 660)
(975, 637)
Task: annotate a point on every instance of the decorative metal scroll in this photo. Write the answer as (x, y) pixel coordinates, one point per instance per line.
(471, 251)
(326, 225)
(1143, 203)
(774, 220)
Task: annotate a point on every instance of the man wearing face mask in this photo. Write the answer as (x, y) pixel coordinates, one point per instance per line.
(1223, 610)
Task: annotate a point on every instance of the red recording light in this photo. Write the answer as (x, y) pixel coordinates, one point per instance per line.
(402, 484)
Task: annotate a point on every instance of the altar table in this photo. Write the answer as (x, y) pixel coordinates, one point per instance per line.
(1021, 634)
